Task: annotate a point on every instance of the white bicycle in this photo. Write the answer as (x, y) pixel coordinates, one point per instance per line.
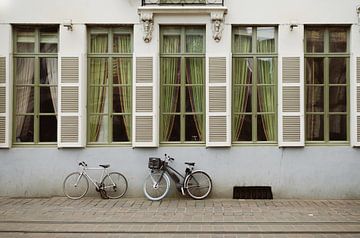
(110, 185)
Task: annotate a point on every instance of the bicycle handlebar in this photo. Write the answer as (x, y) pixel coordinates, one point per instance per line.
(82, 163)
(169, 158)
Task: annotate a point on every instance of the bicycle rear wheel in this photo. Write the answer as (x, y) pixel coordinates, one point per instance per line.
(115, 185)
(198, 185)
(75, 185)
(156, 185)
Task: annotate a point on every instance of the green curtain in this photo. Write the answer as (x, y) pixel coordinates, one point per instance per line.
(195, 75)
(122, 75)
(266, 96)
(170, 74)
(241, 75)
(98, 75)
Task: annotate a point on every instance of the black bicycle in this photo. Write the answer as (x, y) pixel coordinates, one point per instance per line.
(196, 183)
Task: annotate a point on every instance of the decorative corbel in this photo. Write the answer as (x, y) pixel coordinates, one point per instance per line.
(217, 19)
(146, 17)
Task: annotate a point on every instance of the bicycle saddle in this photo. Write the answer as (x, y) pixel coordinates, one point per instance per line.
(190, 163)
(104, 165)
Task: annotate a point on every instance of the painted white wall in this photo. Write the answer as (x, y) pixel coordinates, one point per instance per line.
(311, 172)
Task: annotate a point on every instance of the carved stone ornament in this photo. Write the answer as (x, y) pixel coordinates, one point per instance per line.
(217, 19)
(147, 20)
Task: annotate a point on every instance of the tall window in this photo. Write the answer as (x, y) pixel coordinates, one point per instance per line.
(35, 84)
(182, 76)
(109, 87)
(326, 84)
(254, 84)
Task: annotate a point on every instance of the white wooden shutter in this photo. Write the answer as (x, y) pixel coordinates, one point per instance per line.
(356, 140)
(4, 105)
(291, 120)
(143, 101)
(69, 128)
(218, 107)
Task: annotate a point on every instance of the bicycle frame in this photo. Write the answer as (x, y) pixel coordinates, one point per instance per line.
(173, 172)
(95, 182)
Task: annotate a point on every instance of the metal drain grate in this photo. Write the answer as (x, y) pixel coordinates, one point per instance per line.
(252, 192)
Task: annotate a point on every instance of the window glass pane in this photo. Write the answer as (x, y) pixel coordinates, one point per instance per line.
(314, 70)
(266, 69)
(266, 127)
(25, 70)
(170, 127)
(48, 99)
(242, 128)
(337, 127)
(337, 67)
(193, 127)
(24, 100)
(122, 99)
(121, 128)
(242, 98)
(170, 99)
(122, 43)
(98, 128)
(195, 70)
(170, 71)
(265, 39)
(98, 43)
(337, 99)
(315, 99)
(48, 71)
(25, 41)
(122, 70)
(99, 71)
(194, 44)
(266, 99)
(48, 40)
(314, 40)
(338, 40)
(48, 129)
(25, 128)
(243, 39)
(194, 98)
(171, 44)
(98, 102)
(315, 127)
(242, 70)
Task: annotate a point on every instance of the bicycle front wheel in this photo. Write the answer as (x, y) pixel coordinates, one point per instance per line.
(198, 185)
(115, 185)
(75, 185)
(156, 185)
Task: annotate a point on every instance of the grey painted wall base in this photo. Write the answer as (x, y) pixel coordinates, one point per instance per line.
(306, 173)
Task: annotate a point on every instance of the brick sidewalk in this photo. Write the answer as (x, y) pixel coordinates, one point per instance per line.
(94, 217)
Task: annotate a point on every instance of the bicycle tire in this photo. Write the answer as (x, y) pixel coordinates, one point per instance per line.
(156, 186)
(198, 185)
(75, 186)
(115, 185)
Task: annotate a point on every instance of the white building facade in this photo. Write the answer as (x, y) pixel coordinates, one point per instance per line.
(257, 93)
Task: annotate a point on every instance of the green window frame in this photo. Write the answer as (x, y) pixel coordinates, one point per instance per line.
(254, 84)
(110, 56)
(327, 117)
(35, 85)
(182, 84)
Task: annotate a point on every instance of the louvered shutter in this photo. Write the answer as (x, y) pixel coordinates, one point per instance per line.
(4, 104)
(290, 105)
(69, 118)
(144, 99)
(218, 121)
(356, 138)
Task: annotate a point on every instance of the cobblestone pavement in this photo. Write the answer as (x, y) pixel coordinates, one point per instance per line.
(128, 217)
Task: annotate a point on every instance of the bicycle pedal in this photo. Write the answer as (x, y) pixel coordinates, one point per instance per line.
(103, 194)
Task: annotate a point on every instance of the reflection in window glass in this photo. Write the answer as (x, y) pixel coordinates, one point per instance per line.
(314, 40)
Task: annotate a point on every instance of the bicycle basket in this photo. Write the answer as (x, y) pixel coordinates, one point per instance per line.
(155, 163)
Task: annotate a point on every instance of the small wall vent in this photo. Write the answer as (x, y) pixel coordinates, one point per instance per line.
(252, 192)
